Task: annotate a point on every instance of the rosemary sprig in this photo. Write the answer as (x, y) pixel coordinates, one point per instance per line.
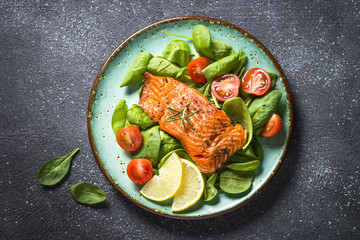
(183, 116)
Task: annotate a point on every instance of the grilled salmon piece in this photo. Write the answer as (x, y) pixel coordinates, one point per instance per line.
(210, 140)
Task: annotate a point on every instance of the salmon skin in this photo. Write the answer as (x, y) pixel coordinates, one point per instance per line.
(210, 140)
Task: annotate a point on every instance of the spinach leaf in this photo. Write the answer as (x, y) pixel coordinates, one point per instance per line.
(261, 109)
(177, 51)
(247, 166)
(201, 39)
(168, 144)
(183, 76)
(253, 151)
(225, 65)
(242, 61)
(180, 152)
(162, 67)
(87, 193)
(235, 108)
(135, 73)
(137, 116)
(54, 170)
(235, 181)
(220, 49)
(118, 119)
(151, 145)
(273, 77)
(211, 190)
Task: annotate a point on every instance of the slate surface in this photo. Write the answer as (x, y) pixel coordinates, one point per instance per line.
(50, 53)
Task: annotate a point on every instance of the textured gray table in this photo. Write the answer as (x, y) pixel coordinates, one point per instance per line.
(50, 53)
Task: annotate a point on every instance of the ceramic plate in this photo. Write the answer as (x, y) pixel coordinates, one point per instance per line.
(106, 93)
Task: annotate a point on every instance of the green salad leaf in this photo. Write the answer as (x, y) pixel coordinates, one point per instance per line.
(235, 108)
(210, 189)
(252, 152)
(168, 144)
(139, 66)
(180, 152)
(177, 51)
(54, 170)
(151, 145)
(220, 49)
(160, 66)
(273, 77)
(246, 166)
(235, 181)
(201, 39)
(137, 116)
(87, 193)
(118, 119)
(261, 109)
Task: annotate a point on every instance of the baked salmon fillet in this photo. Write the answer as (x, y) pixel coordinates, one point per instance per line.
(210, 138)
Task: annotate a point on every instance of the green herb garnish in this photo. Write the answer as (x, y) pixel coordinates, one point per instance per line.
(182, 117)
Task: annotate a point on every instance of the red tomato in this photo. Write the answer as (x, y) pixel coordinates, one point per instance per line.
(140, 171)
(256, 81)
(225, 87)
(195, 68)
(129, 138)
(273, 126)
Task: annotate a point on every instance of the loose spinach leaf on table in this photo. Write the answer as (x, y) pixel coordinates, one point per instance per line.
(210, 189)
(137, 116)
(235, 181)
(162, 67)
(236, 110)
(54, 170)
(168, 144)
(118, 120)
(87, 193)
(150, 146)
(261, 109)
(225, 65)
(177, 51)
(246, 166)
(139, 66)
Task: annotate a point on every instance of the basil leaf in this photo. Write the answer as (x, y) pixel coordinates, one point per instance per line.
(261, 109)
(160, 66)
(220, 49)
(201, 39)
(118, 119)
(139, 66)
(177, 51)
(225, 65)
(137, 116)
(235, 181)
(247, 166)
(87, 193)
(151, 145)
(235, 108)
(54, 170)
(211, 190)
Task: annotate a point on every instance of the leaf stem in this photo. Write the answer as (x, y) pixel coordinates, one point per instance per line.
(177, 35)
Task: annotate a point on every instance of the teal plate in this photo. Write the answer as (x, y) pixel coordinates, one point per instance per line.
(106, 93)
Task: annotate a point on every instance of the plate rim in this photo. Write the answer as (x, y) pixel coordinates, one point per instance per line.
(113, 55)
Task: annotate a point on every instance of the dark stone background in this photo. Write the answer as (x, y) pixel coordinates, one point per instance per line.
(50, 53)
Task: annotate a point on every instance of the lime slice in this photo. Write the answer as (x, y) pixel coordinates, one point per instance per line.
(164, 186)
(191, 188)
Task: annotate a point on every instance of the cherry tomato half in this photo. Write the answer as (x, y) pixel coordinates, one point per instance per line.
(140, 171)
(129, 138)
(225, 87)
(256, 81)
(273, 126)
(195, 68)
